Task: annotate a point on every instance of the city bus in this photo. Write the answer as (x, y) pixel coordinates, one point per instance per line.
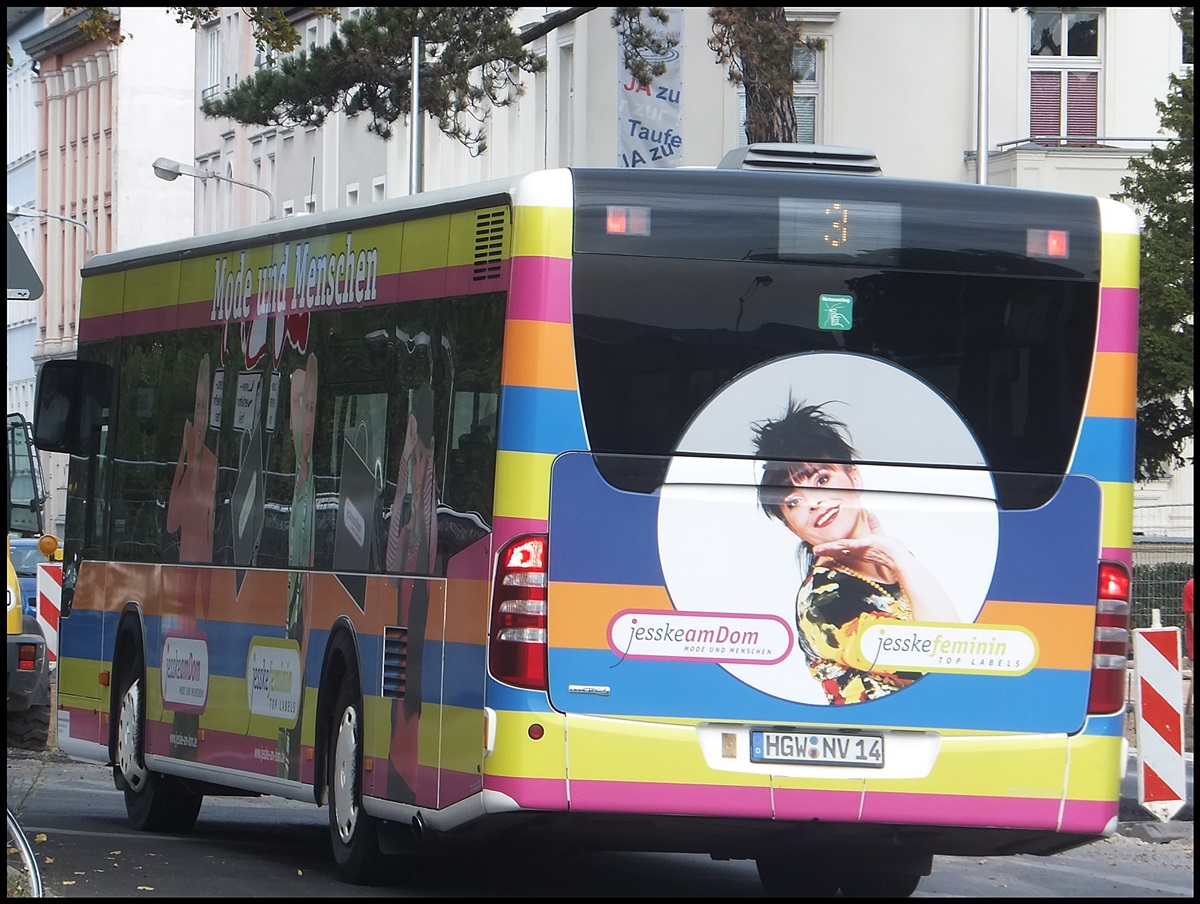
(779, 510)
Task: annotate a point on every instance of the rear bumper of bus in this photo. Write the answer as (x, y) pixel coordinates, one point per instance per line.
(956, 794)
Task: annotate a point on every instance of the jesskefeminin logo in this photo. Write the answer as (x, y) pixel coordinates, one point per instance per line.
(968, 649)
(699, 636)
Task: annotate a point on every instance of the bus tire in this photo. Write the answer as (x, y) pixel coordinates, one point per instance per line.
(787, 876)
(879, 884)
(353, 833)
(29, 729)
(153, 802)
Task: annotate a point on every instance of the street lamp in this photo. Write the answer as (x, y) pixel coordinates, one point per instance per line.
(169, 170)
(14, 212)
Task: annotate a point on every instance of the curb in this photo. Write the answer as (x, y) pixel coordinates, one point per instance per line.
(1156, 832)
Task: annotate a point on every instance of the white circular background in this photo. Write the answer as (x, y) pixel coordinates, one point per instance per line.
(721, 553)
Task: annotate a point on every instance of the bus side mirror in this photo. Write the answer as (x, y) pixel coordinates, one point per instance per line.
(73, 402)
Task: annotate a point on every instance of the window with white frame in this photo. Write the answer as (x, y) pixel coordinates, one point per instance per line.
(806, 96)
(212, 40)
(352, 194)
(1064, 76)
(378, 188)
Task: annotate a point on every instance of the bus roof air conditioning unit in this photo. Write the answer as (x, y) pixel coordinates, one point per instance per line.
(810, 158)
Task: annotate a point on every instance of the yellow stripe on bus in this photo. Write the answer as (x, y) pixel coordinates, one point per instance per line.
(517, 755)
(982, 767)
(1116, 522)
(523, 484)
(1114, 385)
(542, 232)
(105, 294)
(1119, 260)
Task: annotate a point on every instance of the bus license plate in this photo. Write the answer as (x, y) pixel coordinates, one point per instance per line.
(816, 749)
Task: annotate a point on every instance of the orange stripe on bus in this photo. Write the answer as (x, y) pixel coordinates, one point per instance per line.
(579, 613)
(538, 353)
(1114, 386)
(1056, 626)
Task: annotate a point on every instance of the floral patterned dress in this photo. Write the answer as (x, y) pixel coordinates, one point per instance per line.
(833, 608)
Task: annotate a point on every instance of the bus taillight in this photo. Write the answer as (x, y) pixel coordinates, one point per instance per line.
(517, 641)
(1110, 650)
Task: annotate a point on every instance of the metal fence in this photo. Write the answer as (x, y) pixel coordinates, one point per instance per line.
(1163, 560)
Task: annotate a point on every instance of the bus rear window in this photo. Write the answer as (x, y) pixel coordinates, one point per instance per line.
(656, 337)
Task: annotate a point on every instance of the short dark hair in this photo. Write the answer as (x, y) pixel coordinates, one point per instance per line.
(791, 445)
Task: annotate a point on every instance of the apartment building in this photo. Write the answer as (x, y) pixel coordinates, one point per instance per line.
(1058, 98)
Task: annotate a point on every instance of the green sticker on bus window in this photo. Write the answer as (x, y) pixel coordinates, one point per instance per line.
(835, 312)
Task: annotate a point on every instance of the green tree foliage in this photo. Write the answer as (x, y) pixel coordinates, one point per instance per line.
(758, 44)
(471, 58)
(642, 47)
(1161, 187)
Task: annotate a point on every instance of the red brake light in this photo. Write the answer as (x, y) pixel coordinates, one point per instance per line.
(517, 641)
(1110, 648)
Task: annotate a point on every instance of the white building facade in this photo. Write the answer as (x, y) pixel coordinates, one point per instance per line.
(1060, 98)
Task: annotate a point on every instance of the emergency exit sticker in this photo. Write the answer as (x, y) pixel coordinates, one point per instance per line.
(835, 312)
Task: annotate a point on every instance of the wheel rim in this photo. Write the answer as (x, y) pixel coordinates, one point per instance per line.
(129, 737)
(345, 775)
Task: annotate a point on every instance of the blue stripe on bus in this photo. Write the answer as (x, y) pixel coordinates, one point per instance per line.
(1106, 449)
(1050, 554)
(606, 535)
(227, 658)
(1043, 700)
(540, 420)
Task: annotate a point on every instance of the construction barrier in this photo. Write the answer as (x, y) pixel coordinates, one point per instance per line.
(1162, 776)
(49, 603)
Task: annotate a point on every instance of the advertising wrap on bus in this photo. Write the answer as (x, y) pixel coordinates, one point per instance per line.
(762, 514)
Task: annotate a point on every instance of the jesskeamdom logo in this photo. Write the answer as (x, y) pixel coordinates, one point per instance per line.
(699, 636)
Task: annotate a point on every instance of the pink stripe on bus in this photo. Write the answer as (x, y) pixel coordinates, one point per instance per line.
(505, 528)
(1118, 321)
(960, 810)
(541, 289)
(670, 799)
(532, 793)
(391, 288)
(1118, 554)
(1088, 816)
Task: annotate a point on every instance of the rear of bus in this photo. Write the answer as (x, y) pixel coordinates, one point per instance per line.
(975, 348)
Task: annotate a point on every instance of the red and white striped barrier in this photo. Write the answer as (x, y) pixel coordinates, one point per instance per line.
(1162, 776)
(49, 602)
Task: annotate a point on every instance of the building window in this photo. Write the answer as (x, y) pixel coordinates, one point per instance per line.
(806, 96)
(213, 41)
(352, 194)
(379, 188)
(1064, 76)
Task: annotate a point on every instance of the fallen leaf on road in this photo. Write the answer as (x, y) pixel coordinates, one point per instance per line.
(145, 888)
(68, 881)
(40, 836)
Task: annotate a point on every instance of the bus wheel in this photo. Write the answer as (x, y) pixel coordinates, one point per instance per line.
(151, 802)
(354, 834)
(793, 877)
(872, 884)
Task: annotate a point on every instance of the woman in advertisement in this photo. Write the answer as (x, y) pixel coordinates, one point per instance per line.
(853, 575)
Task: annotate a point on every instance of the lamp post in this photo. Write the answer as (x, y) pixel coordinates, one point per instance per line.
(169, 170)
(14, 212)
